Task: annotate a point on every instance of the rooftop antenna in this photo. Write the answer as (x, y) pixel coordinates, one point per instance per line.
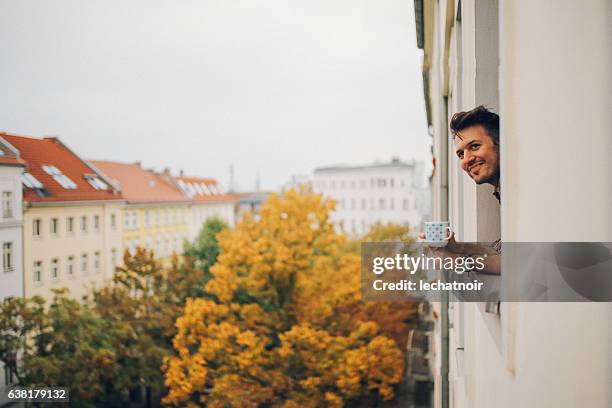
(257, 182)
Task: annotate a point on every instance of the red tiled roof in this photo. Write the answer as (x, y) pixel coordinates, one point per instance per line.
(208, 195)
(51, 151)
(139, 185)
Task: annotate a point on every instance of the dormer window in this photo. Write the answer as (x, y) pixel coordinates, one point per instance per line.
(205, 189)
(96, 182)
(30, 181)
(60, 177)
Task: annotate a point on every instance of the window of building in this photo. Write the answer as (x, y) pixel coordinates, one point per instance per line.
(391, 203)
(54, 226)
(54, 270)
(84, 263)
(126, 220)
(37, 273)
(158, 217)
(60, 177)
(167, 216)
(134, 220)
(96, 223)
(148, 243)
(371, 203)
(157, 247)
(391, 183)
(7, 204)
(7, 256)
(363, 204)
(70, 225)
(184, 215)
(96, 182)
(97, 262)
(352, 203)
(167, 247)
(70, 267)
(113, 220)
(113, 257)
(363, 184)
(381, 203)
(147, 218)
(176, 216)
(36, 227)
(84, 223)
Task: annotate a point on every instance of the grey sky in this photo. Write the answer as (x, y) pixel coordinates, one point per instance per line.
(277, 86)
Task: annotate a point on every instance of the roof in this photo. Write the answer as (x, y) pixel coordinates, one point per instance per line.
(9, 155)
(204, 189)
(139, 185)
(342, 167)
(61, 164)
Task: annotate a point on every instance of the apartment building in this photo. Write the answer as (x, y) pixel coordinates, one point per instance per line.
(208, 199)
(11, 227)
(394, 192)
(71, 228)
(156, 214)
(11, 221)
(544, 66)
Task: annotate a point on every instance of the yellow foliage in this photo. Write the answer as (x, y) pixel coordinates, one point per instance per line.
(280, 329)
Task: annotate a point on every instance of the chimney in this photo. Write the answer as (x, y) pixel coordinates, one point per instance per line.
(181, 172)
(138, 163)
(167, 170)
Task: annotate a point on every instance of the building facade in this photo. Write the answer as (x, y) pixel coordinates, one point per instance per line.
(209, 200)
(544, 67)
(156, 215)
(365, 195)
(71, 228)
(11, 238)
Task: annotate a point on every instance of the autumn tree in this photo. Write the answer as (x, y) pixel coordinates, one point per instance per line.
(20, 319)
(279, 328)
(143, 302)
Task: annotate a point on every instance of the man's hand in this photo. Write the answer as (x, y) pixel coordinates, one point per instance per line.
(454, 249)
(451, 249)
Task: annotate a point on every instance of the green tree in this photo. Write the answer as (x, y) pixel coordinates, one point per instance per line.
(143, 302)
(205, 250)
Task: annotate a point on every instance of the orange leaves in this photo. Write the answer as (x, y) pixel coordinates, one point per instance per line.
(280, 328)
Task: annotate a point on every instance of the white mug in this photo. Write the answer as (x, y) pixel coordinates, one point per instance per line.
(437, 233)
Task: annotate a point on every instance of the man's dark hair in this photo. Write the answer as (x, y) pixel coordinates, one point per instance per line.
(477, 116)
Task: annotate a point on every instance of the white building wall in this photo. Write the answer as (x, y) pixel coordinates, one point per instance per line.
(11, 279)
(200, 212)
(554, 93)
(370, 194)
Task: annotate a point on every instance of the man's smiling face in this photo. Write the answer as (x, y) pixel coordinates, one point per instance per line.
(478, 155)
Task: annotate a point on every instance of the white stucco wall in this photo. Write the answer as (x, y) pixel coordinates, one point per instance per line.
(554, 94)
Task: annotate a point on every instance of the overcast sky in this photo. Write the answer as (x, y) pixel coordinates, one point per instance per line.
(275, 86)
